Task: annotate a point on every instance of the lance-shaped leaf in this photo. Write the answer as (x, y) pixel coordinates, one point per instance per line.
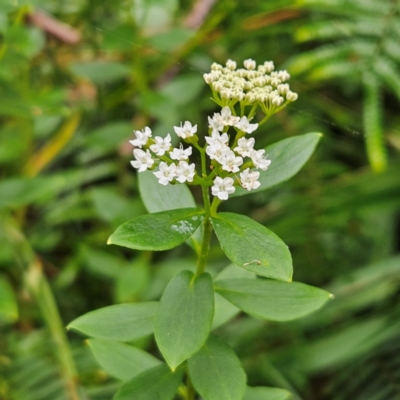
(155, 383)
(224, 310)
(158, 198)
(266, 393)
(183, 320)
(122, 322)
(159, 231)
(216, 372)
(273, 300)
(121, 360)
(287, 156)
(252, 246)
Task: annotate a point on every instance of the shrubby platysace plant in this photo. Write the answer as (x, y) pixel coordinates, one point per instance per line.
(259, 279)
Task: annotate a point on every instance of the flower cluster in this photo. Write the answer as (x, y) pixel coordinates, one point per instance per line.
(233, 160)
(226, 160)
(251, 84)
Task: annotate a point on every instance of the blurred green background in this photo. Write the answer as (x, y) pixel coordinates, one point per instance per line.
(76, 77)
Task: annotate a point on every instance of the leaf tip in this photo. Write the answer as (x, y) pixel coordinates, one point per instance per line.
(109, 241)
(331, 296)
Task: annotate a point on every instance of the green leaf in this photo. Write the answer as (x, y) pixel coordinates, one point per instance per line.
(372, 121)
(8, 302)
(288, 156)
(155, 383)
(18, 192)
(252, 246)
(160, 231)
(273, 300)
(158, 198)
(121, 360)
(101, 72)
(183, 320)
(216, 372)
(224, 310)
(266, 393)
(122, 322)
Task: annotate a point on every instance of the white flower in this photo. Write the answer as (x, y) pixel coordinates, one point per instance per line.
(181, 154)
(283, 75)
(141, 137)
(227, 118)
(185, 172)
(166, 173)
(245, 147)
(215, 123)
(291, 96)
(244, 125)
(161, 145)
(223, 187)
(217, 137)
(269, 66)
(277, 101)
(185, 131)
(249, 64)
(257, 156)
(230, 162)
(231, 65)
(248, 179)
(217, 150)
(143, 160)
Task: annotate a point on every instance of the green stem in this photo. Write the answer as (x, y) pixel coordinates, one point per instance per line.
(40, 289)
(190, 392)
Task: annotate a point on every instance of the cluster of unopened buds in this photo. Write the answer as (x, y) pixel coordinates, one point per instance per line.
(233, 160)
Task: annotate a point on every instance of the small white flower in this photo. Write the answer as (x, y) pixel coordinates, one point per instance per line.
(283, 89)
(231, 65)
(249, 64)
(230, 162)
(223, 187)
(185, 172)
(248, 179)
(208, 78)
(244, 125)
(141, 137)
(143, 160)
(185, 131)
(227, 118)
(257, 156)
(269, 66)
(216, 150)
(166, 173)
(181, 154)
(283, 75)
(215, 123)
(291, 96)
(245, 147)
(277, 101)
(161, 145)
(217, 137)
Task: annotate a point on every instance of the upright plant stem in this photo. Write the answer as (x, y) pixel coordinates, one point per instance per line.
(40, 289)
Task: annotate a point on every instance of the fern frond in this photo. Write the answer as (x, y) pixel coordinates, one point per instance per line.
(349, 7)
(339, 29)
(372, 120)
(348, 50)
(334, 70)
(385, 69)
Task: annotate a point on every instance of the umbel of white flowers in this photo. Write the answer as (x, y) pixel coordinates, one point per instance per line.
(233, 160)
(250, 85)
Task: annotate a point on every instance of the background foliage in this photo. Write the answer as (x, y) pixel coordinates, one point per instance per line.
(70, 96)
